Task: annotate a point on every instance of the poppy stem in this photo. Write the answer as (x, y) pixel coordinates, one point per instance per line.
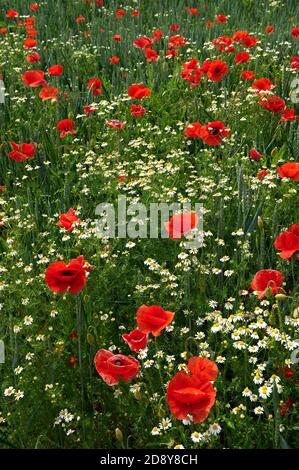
(80, 329)
(160, 375)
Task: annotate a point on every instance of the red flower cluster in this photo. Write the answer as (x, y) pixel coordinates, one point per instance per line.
(288, 242)
(211, 133)
(267, 282)
(95, 86)
(21, 152)
(214, 70)
(192, 393)
(68, 220)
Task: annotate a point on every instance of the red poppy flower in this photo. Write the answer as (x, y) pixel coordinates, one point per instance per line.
(73, 360)
(153, 319)
(171, 53)
(289, 170)
(224, 44)
(114, 59)
(295, 32)
(117, 37)
(95, 85)
(262, 173)
(175, 27)
(176, 41)
(80, 19)
(136, 340)
(240, 35)
(138, 91)
(21, 152)
(267, 280)
(66, 126)
(273, 103)
(289, 115)
(203, 367)
(135, 13)
(288, 244)
(112, 367)
(210, 24)
(288, 372)
(55, 70)
(286, 406)
(193, 394)
(33, 6)
(294, 229)
(249, 41)
(294, 62)
(143, 42)
(269, 29)
(255, 155)
(34, 78)
(213, 133)
(68, 220)
(242, 57)
(262, 84)
(192, 72)
(180, 224)
(192, 11)
(48, 93)
(217, 70)
(248, 75)
(115, 124)
(119, 13)
(221, 18)
(31, 34)
(90, 109)
(193, 130)
(150, 54)
(29, 43)
(61, 277)
(33, 57)
(157, 34)
(3, 31)
(12, 14)
(137, 110)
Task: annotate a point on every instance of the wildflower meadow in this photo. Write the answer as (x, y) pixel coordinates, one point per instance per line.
(149, 224)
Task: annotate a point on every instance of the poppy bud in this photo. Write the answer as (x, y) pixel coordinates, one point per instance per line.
(137, 395)
(295, 313)
(268, 292)
(90, 338)
(272, 319)
(202, 285)
(260, 223)
(273, 151)
(280, 296)
(161, 411)
(119, 435)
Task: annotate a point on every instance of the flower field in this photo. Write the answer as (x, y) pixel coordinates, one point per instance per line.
(179, 335)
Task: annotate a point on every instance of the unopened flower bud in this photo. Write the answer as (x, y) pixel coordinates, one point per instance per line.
(119, 435)
(280, 296)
